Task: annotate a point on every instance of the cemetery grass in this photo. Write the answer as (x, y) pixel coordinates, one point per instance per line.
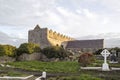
(98, 63)
(66, 70)
(11, 72)
(53, 67)
(69, 69)
(80, 77)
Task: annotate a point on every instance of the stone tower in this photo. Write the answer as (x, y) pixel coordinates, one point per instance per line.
(45, 37)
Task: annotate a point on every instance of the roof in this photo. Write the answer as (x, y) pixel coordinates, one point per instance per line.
(98, 43)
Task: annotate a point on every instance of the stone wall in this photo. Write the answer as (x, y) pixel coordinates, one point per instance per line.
(4, 59)
(39, 36)
(36, 56)
(30, 57)
(56, 38)
(45, 37)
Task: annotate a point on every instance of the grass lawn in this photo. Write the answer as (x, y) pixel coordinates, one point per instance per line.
(80, 77)
(10, 72)
(98, 63)
(68, 67)
(64, 67)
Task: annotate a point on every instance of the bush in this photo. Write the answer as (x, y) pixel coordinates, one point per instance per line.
(28, 48)
(55, 52)
(7, 50)
(2, 51)
(86, 58)
(98, 51)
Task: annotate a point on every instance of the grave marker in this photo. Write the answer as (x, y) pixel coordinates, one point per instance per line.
(105, 53)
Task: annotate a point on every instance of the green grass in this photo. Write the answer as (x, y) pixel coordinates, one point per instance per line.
(98, 63)
(71, 69)
(11, 73)
(81, 77)
(65, 67)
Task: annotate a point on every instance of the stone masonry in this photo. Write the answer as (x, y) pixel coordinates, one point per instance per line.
(45, 37)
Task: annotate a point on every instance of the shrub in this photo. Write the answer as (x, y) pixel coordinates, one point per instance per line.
(86, 58)
(55, 52)
(7, 50)
(2, 51)
(98, 51)
(28, 48)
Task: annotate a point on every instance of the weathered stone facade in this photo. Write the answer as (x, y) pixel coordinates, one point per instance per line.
(84, 45)
(45, 37)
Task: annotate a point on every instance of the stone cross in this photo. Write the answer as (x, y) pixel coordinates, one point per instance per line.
(105, 53)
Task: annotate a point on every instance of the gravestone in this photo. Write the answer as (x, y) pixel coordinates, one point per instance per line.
(105, 53)
(118, 57)
(43, 76)
(113, 56)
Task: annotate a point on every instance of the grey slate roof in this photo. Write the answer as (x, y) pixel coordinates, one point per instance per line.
(97, 43)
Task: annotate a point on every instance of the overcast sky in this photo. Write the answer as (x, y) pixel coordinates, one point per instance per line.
(74, 18)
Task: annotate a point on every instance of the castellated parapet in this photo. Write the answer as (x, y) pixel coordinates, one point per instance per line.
(45, 37)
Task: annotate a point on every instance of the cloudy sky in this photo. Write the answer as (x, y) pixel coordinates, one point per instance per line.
(75, 18)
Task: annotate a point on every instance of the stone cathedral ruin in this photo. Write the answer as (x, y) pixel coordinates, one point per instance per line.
(45, 37)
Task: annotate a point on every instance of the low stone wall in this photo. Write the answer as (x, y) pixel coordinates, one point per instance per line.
(4, 59)
(30, 57)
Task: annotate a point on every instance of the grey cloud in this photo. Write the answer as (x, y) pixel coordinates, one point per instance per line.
(28, 13)
(5, 39)
(23, 12)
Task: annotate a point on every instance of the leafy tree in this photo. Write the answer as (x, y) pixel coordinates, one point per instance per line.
(55, 52)
(2, 51)
(8, 50)
(28, 48)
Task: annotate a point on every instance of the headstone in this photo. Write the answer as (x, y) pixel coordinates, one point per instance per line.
(43, 75)
(105, 53)
(119, 54)
(118, 57)
(113, 56)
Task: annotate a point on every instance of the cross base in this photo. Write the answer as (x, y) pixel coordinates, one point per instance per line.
(105, 67)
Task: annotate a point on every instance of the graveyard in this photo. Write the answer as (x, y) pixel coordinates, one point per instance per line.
(67, 70)
(86, 66)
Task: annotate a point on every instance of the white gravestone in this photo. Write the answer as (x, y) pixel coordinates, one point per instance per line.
(105, 53)
(44, 75)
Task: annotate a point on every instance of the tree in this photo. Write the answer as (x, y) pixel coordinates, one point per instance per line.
(55, 52)
(8, 50)
(2, 51)
(28, 48)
